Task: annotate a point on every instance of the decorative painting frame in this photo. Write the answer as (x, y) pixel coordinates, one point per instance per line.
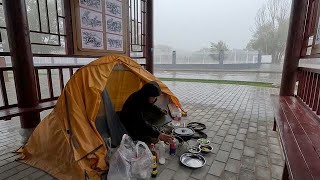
(100, 27)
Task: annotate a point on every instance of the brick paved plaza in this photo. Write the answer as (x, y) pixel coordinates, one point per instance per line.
(239, 122)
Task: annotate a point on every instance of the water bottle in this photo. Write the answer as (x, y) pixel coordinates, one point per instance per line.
(175, 122)
(177, 119)
(162, 159)
(173, 148)
(179, 115)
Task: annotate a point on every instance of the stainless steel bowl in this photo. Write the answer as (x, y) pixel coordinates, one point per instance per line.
(194, 149)
(192, 160)
(206, 148)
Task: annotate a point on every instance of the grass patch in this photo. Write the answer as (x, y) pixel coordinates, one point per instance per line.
(248, 83)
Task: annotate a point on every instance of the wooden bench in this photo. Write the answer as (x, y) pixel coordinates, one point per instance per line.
(299, 131)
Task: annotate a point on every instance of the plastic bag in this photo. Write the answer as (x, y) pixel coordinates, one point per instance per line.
(131, 161)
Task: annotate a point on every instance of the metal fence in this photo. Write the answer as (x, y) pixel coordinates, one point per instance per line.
(227, 57)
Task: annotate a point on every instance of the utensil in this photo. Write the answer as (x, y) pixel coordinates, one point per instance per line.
(194, 149)
(203, 141)
(192, 160)
(196, 126)
(199, 135)
(184, 133)
(206, 148)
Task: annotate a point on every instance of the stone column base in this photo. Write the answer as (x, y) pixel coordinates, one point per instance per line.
(25, 134)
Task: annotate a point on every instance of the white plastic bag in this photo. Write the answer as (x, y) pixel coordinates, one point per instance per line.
(131, 161)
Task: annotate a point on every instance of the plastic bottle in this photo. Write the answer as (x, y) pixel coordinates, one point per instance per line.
(179, 115)
(176, 122)
(154, 152)
(173, 147)
(154, 172)
(177, 119)
(162, 159)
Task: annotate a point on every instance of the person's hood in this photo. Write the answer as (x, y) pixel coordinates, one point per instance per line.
(150, 89)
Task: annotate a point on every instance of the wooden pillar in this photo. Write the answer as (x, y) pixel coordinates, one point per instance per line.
(21, 57)
(68, 25)
(294, 46)
(149, 36)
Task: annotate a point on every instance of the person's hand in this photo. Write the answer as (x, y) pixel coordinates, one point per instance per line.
(166, 138)
(165, 112)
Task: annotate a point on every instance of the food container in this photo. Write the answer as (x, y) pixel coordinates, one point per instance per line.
(192, 160)
(206, 148)
(203, 141)
(183, 133)
(194, 149)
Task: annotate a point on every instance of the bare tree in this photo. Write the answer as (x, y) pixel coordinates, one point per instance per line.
(261, 17)
(220, 46)
(271, 28)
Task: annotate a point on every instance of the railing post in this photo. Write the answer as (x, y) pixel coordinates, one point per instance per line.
(259, 58)
(221, 57)
(22, 63)
(174, 57)
(294, 45)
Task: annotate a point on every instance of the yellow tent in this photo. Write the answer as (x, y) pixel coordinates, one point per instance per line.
(67, 144)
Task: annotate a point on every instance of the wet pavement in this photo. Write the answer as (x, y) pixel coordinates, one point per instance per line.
(271, 77)
(239, 122)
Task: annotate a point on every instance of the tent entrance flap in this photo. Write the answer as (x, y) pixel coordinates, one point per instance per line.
(108, 123)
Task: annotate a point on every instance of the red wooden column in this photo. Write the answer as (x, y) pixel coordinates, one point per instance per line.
(68, 25)
(294, 45)
(21, 57)
(149, 36)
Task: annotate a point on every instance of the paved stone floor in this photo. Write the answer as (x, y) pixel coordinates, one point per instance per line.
(239, 123)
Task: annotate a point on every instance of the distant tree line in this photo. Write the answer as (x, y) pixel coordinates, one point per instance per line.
(271, 29)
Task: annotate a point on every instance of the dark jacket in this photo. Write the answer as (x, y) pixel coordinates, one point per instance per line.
(133, 110)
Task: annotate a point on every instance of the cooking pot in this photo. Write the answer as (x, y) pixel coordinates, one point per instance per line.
(183, 133)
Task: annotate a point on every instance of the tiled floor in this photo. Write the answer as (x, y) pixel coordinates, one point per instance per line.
(239, 122)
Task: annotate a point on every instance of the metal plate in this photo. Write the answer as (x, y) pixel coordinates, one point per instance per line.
(199, 134)
(192, 160)
(194, 150)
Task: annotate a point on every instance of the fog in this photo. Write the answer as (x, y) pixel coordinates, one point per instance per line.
(192, 25)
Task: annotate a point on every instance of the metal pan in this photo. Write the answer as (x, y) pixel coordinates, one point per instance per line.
(183, 133)
(196, 126)
(192, 160)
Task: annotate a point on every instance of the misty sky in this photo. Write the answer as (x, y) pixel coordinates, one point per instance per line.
(192, 24)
